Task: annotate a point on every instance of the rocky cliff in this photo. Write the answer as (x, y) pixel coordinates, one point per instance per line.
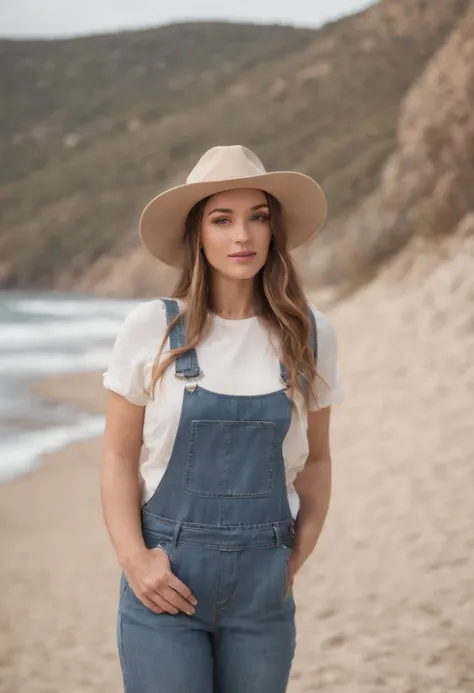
(425, 193)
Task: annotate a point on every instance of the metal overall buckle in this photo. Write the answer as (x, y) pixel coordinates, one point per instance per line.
(191, 381)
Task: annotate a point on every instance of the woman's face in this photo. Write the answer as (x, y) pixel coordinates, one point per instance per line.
(236, 233)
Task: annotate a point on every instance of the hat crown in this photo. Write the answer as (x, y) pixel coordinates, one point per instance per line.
(223, 163)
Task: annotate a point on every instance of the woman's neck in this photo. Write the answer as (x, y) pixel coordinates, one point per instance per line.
(233, 299)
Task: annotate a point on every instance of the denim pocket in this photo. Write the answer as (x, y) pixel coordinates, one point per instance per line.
(154, 541)
(166, 548)
(123, 586)
(231, 459)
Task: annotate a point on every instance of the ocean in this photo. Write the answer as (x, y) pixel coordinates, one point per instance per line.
(44, 334)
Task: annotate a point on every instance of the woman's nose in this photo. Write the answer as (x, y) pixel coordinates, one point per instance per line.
(241, 231)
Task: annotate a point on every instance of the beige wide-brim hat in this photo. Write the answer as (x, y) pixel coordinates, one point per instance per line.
(225, 168)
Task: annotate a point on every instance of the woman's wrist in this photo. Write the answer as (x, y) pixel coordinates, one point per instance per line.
(297, 559)
(308, 530)
(131, 555)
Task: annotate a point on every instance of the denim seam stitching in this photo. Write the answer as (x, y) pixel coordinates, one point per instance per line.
(228, 422)
(269, 425)
(200, 525)
(223, 605)
(215, 610)
(126, 672)
(263, 395)
(224, 481)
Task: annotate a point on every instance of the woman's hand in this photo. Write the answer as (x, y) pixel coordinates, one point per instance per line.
(150, 577)
(293, 567)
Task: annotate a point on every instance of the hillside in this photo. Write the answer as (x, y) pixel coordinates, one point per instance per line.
(423, 201)
(93, 127)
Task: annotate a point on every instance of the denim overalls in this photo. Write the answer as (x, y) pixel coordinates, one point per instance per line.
(221, 512)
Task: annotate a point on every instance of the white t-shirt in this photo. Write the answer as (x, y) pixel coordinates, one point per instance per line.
(236, 357)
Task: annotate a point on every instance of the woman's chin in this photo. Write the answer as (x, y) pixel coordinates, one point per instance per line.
(242, 271)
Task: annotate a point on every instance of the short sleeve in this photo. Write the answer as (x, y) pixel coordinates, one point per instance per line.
(327, 384)
(125, 374)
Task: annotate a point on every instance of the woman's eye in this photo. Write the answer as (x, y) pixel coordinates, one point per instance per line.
(261, 218)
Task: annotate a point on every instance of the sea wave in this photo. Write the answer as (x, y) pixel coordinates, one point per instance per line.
(42, 335)
(51, 363)
(23, 453)
(24, 335)
(73, 307)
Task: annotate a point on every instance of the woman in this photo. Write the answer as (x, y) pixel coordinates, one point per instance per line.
(214, 407)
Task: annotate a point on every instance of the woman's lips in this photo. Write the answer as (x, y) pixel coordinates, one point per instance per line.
(243, 258)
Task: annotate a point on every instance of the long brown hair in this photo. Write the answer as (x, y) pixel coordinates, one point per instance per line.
(279, 302)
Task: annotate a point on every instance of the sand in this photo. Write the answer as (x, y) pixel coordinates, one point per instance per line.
(385, 602)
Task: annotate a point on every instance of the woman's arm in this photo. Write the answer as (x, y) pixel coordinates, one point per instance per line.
(119, 482)
(148, 571)
(313, 485)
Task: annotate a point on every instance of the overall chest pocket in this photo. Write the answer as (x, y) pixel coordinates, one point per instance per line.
(231, 459)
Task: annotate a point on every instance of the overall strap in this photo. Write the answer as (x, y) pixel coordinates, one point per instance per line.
(313, 344)
(186, 365)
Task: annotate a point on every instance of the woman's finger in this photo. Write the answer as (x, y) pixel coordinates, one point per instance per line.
(150, 605)
(153, 600)
(289, 584)
(182, 589)
(176, 600)
(159, 603)
(165, 598)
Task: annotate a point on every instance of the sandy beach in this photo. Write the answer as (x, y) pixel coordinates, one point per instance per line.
(386, 601)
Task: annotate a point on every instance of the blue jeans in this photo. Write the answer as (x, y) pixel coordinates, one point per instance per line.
(241, 638)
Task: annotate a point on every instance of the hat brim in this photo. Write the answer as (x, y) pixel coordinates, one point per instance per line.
(162, 221)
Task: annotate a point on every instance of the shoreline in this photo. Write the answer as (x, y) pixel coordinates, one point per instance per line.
(36, 438)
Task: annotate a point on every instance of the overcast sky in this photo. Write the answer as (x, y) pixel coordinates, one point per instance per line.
(51, 18)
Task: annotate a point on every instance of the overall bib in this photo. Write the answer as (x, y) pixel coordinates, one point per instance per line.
(221, 512)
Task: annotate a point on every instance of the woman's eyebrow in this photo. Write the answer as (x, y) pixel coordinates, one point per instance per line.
(221, 210)
(229, 211)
